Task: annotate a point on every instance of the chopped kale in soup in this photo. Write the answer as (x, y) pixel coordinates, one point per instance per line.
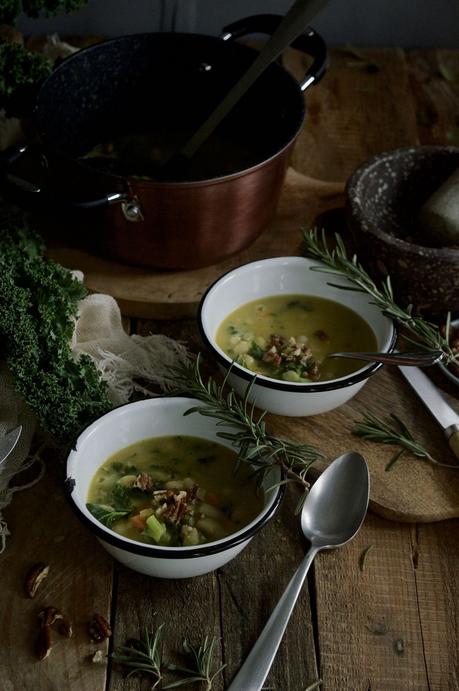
(174, 491)
(289, 336)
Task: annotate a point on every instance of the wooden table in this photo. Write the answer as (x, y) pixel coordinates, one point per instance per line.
(393, 626)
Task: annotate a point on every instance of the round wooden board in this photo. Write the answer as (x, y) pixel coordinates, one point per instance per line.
(414, 490)
(154, 294)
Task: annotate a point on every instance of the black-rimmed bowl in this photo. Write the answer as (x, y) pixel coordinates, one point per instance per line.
(162, 416)
(287, 276)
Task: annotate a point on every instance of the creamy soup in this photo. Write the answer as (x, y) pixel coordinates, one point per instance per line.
(289, 336)
(174, 491)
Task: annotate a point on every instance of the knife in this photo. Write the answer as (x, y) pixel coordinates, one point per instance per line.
(433, 399)
(8, 442)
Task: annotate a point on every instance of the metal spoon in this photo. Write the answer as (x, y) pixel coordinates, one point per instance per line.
(417, 358)
(332, 514)
(8, 443)
(294, 22)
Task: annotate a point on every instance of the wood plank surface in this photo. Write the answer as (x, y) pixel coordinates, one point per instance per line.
(402, 594)
(44, 529)
(370, 636)
(393, 626)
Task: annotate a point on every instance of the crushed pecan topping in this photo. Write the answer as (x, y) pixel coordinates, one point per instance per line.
(43, 643)
(144, 482)
(286, 353)
(99, 628)
(49, 616)
(35, 576)
(65, 627)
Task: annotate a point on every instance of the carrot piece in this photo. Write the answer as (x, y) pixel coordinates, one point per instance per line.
(139, 522)
(212, 499)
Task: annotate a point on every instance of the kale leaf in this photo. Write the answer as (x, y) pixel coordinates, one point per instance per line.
(107, 515)
(38, 306)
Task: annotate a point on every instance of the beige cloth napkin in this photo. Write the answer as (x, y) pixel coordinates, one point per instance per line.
(122, 361)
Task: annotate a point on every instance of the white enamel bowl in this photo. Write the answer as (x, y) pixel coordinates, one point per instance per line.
(284, 276)
(124, 426)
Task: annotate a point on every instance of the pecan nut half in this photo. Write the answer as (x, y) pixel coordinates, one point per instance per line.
(43, 643)
(35, 577)
(49, 615)
(65, 627)
(99, 628)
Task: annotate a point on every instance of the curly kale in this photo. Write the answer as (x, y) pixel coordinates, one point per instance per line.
(38, 305)
(21, 72)
(11, 9)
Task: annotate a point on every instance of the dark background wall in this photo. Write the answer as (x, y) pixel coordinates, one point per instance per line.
(407, 23)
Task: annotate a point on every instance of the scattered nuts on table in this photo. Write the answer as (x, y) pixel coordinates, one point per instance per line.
(34, 578)
(65, 627)
(99, 628)
(43, 643)
(98, 656)
(49, 615)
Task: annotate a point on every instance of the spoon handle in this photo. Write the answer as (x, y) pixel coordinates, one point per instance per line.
(255, 669)
(417, 358)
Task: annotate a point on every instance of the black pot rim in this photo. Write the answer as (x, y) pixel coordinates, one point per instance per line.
(146, 184)
(153, 551)
(277, 384)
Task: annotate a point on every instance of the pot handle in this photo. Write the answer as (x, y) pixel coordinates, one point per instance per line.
(310, 42)
(129, 204)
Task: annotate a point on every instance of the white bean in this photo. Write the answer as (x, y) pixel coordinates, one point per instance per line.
(211, 528)
(241, 348)
(210, 511)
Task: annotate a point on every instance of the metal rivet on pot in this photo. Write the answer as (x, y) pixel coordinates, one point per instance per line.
(132, 211)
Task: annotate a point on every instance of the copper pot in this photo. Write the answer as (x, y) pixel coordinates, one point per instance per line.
(164, 81)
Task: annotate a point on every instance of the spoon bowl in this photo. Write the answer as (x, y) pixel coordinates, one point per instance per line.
(337, 502)
(332, 514)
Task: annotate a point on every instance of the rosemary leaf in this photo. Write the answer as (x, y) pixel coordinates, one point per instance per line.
(200, 661)
(143, 656)
(314, 685)
(246, 432)
(390, 465)
(363, 557)
(417, 330)
(376, 430)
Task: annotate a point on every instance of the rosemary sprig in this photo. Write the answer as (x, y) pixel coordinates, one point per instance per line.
(250, 437)
(143, 656)
(200, 664)
(374, 429)
(363, 556)
(417, 330)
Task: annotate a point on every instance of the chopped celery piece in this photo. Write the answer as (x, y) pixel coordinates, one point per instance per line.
(155, 528)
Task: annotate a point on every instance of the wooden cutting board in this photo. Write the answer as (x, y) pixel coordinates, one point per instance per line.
(414, 490)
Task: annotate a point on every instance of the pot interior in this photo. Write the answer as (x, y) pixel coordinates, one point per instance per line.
(163, 86)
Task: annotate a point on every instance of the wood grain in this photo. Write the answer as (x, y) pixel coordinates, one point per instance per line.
(79, 583)
(370, 636)
(249, 590)
(362, 107)
(414, 490)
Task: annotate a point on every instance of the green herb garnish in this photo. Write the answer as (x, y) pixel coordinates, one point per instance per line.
(142, 656)
(200, 667)
(417, 330)
(374, 429)
(250, 437)
(107, 514)
(38, 306)
(363, 557)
